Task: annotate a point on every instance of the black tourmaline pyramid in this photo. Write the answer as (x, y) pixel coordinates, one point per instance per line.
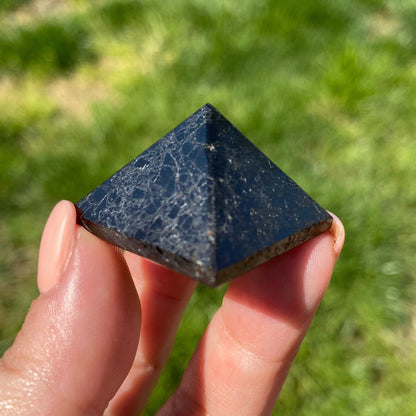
(204, 201)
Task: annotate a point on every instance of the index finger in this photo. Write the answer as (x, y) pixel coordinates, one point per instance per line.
(244, 356)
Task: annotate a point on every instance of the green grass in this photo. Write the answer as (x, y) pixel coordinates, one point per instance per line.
(47, 47)
(326, 88)
(12, 4)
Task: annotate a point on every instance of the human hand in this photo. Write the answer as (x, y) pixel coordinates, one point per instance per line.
(89, 346)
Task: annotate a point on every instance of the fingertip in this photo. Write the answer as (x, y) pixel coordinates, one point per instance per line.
(337, 231)
(161, 279)
(57, 243)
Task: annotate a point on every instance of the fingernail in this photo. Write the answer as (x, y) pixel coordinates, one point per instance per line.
(338, 233)
(56, 245)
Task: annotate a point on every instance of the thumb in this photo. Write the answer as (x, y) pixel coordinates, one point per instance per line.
(81, 334)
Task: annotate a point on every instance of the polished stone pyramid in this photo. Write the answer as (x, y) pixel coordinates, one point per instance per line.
(204, 201)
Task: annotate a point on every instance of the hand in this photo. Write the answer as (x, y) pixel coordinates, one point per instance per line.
(79, 352)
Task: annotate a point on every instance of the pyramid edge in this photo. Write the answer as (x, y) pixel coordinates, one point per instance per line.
(175, 262)
(268, 253)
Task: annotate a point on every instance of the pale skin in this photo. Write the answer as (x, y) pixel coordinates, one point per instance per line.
(98, 336)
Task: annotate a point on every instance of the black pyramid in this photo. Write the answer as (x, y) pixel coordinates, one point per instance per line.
(204, 201)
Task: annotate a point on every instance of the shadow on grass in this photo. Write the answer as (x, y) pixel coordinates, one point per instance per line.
(121, 13)
(46, 48)
(12, 4)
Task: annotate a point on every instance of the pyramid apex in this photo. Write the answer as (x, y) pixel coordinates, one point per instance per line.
(209, 107)
(209, 111)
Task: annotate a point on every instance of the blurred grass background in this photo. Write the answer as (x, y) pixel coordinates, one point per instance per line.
(326, 88)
